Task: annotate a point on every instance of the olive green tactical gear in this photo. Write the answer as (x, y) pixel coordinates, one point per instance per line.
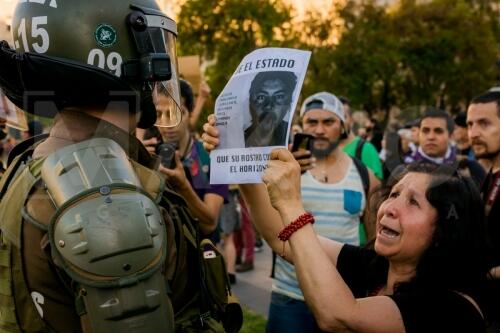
(201, 295)
(17, 314)
(199, 289)
(87, 53)
(107, 234)
(122, 298)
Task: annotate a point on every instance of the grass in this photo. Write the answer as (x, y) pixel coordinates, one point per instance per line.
(253, 322)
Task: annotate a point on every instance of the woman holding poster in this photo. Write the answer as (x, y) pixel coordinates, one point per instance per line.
(428, 269)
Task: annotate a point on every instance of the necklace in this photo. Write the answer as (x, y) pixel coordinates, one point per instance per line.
(320, 175)
(323, 173)
(324, 177)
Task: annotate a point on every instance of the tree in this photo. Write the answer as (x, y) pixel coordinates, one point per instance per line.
(224, 31)
(318, 32)
(439, 52)
(448, 51)
(375, 60)
(364, 63)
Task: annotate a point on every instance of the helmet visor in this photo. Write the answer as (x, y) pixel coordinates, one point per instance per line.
(166, 94)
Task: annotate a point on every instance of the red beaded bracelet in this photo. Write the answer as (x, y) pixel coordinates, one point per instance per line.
(301, 221)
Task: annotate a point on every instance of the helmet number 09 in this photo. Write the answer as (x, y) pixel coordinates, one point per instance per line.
(36, 31)
(113, 61)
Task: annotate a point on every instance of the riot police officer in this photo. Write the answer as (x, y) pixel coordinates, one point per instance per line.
(85, 244)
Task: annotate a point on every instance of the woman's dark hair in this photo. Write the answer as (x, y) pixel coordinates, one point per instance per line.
(457, 257)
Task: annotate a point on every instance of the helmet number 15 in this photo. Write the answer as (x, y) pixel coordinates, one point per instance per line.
(36, 31)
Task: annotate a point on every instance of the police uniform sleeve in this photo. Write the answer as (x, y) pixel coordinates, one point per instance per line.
(55, 303)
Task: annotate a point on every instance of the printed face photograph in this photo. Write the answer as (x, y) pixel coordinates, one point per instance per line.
(269, 104)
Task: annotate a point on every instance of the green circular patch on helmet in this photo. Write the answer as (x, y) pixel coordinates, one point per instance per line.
(105, 35)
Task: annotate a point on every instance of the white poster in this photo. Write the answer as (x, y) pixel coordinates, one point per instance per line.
(254, 113)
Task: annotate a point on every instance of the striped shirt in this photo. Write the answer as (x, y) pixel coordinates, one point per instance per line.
(337, 209)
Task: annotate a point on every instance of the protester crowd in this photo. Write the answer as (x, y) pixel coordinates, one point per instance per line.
(375, 226)
(356, 159)
(449, 164)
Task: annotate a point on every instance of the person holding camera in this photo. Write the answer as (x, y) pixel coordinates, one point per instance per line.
(187, 164)
(92, 239)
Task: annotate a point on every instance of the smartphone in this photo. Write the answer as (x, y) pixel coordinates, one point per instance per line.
(166, 151)
(302, 141)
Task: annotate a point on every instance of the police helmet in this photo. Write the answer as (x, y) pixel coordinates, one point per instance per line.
(75, 53)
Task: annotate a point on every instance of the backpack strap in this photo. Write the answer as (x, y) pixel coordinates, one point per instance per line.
(12, 170)
(273, 267)
(359, 148)
(20, 154)
(26, 145)
(365, 179)
(364, 174)
(152, 182)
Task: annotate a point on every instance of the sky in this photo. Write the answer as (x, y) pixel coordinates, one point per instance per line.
(300, 5)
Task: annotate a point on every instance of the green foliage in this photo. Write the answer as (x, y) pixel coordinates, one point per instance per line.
(318, 33)
(224, 31)
(448, 52)
(366, 60)
(252, 322)
(438, 52)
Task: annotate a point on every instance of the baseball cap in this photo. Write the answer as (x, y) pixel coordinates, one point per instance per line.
(326, 101)
(412, 123)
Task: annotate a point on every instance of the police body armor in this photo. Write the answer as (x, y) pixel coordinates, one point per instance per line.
(108, 237)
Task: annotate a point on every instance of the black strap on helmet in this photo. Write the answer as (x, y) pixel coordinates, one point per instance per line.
(154, 62)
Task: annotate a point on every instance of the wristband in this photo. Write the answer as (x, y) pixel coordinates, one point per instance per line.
(301, 221)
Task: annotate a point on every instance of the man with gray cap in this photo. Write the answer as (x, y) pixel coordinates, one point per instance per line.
(332, 190)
